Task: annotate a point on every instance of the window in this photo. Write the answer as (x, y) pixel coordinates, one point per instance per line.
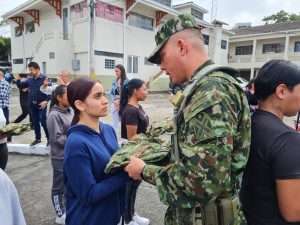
(44, 67)
(30, 27)
(28, 60)
(79, 10)
(164, 2)
(297, 46)
(196, 13)
(132, 64)
(275, 48)
(223, 44)
(18, 31)
(51, 55)
(109, 12)
(140, 21)
(18, 61)
(244, 50)
(206, 39)
(109, 64)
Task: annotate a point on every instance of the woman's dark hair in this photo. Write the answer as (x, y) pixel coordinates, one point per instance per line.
(127, 92)
(274, 73)
(123, 74)
(79, 89)
(59, 91)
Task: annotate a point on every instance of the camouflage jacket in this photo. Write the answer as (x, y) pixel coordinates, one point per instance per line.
(214, 140)
(153, 147)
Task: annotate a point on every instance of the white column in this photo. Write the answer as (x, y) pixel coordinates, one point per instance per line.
(252, 73)
(253, 52)
(286, 47)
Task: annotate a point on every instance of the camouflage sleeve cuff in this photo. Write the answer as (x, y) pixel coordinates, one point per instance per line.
(149, 173)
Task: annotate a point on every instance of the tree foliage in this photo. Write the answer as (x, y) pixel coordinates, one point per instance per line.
(4, 48)
(281, 17)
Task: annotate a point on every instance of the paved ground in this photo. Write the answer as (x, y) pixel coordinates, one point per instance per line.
(33, 174)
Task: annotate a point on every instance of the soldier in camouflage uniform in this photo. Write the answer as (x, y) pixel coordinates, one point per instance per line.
(212, 136)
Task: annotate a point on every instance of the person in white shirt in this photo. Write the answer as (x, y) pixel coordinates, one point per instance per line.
(10, 208)
(64, 78)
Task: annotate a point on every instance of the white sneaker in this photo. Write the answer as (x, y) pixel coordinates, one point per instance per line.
(132, 222)
(60, 219)
(140, 220)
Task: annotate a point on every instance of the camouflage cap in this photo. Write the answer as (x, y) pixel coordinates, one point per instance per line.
(170, 27)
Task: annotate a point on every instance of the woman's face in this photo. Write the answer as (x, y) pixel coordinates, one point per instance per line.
(118, 72)
(141, 93)
(96, 104)
(63, 100)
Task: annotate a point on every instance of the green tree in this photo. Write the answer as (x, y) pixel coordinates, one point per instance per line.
(4, 48)
(281, 17)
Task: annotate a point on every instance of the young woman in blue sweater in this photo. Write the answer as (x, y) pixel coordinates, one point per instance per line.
(92, 197)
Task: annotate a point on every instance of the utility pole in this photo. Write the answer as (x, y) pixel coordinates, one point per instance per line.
(91, 33)
(214, 10)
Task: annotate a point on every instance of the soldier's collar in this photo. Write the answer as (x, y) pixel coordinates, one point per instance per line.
(208, 62)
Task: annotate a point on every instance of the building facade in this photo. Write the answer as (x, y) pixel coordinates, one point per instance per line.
(56, 34)
(251, 47)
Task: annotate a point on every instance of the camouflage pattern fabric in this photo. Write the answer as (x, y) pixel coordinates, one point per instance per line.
(153, 147)
(172, 26)
(14, 129)
(214, 140)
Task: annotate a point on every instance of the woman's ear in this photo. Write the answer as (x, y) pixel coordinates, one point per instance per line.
(80, 105)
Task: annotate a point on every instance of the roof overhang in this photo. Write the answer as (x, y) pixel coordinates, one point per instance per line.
(158, 6)
(192, 5)
(284, 33)
(30, 4)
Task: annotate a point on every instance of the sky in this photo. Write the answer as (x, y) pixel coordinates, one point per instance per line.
(229, 11)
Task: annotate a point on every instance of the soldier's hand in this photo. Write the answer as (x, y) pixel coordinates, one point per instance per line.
(135, 168)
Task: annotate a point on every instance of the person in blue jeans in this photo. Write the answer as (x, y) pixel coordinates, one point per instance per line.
(92, 197)
(38, 101)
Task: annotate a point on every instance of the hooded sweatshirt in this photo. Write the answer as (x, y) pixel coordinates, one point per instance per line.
(92, 197)
(58, 122)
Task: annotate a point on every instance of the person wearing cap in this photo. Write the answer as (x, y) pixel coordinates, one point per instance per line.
(211, 139)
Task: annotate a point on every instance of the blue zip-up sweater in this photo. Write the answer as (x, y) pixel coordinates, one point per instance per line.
(92, 197)
(33, 84)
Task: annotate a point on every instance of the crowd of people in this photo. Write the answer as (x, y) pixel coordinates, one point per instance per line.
(228, 163)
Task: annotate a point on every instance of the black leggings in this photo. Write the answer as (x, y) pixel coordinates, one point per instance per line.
(130, 196)
(3, 155)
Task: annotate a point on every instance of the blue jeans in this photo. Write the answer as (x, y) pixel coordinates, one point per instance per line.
(39, 116)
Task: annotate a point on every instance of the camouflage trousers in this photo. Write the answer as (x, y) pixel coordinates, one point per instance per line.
(183, 216)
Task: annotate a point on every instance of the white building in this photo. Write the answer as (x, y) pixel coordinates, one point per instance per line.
(251, 47)
(55, 33)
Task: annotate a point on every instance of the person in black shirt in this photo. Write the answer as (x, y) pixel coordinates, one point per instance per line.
(133, 121)
(24, 102)
(270, 193)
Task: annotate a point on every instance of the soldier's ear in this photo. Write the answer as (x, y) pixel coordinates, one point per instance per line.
(182, 47)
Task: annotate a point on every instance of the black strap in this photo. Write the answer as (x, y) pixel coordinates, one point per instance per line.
(297, 121)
